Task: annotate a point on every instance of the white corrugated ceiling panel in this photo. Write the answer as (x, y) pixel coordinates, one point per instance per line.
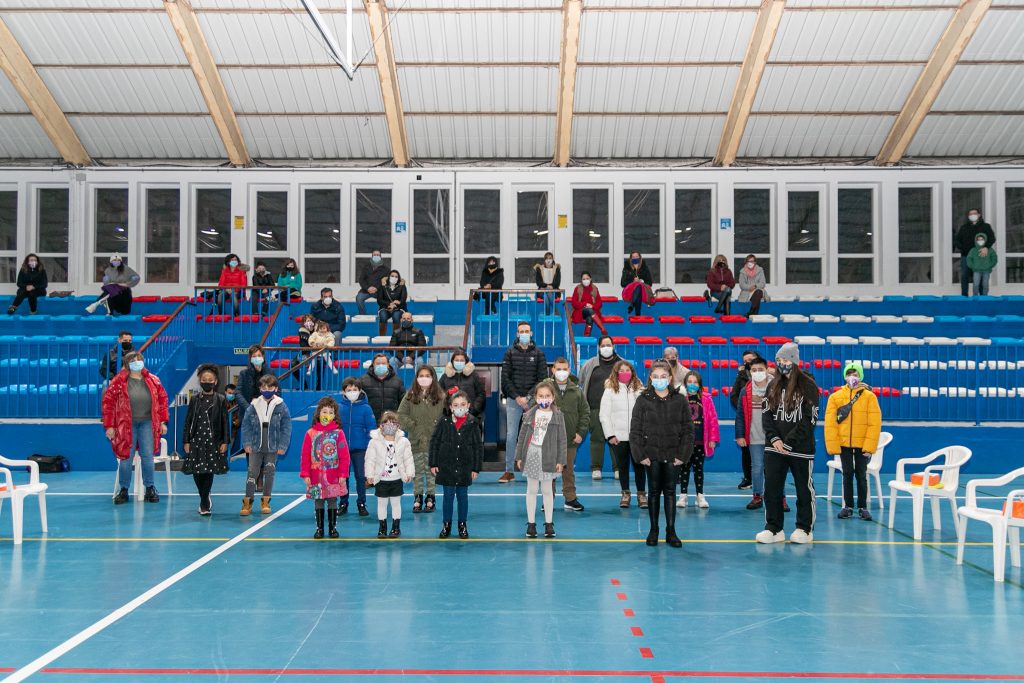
(835, 88)
(664, 36)
(654, 89)
(479, 89)
(319, 90)
(96, 38)
(656, 137)
(316, 137)
(150, 137)
(999, 36)
(873, 3)
(86, 4)
(476, 37)
(247, 38)
(858, 35)
(814, 136)
(481, 137)
(396, 5)
(23, 138)
(717, 4)
(10, 100)
(946, 136)
(124, 90)
(987, 87)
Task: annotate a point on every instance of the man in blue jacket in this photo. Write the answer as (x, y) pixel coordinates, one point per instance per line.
(331, 312)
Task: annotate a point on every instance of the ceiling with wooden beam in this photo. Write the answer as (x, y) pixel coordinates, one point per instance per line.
(654, 81)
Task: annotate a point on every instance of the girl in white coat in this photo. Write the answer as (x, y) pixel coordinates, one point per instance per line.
(389, 462)
(620, 393)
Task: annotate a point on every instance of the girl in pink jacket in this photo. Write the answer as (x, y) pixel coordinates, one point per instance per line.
(705, 437)
(324, 464)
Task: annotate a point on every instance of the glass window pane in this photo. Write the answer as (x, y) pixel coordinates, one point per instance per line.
(964, 199)
(856, 220)
(213, 223)
(111, 220)
(430, 270)
(162, 269)
(271, 221)
(740, 261)
(56, 268)
(321, 270)
(597, 267)
(472, 267)
(856, 271)
(803, 271)
(524, 271)
(590, 223)
(373, 220)
(430, 224)
(9, 221)
(915, 223)
(693, 224)
(1014, 220)
(752, 220)
(364, 262)
(9, 267)
(208, 269)
(915, 269)
(692, 270)
(482, 221)
(803, 222)
(52, 230)
(322, 221)
(531, 222)
(163, 221)
(1015, 270)
(641, 221)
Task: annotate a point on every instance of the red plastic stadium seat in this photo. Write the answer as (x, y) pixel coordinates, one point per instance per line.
(745, 340)
(641, 319)
(718, 364)
(156, 318)
(609, 299)
(823, 392)
(216, 318)
(647, 340)
(280, 363)
(613, 319)
(692, 299)
(692, 363)
(877, 391)
(777, 340)
(620, 340)
(819, 363)
(291, 339)
(146, 299)
(665, 298)
(247, 319)
(734, 318)
(726, 391)
(173, 299)
(897, 392)
(683, 341)
(649, 362)
(712, 340)
(702, 319)
(672, 319)
(347, 363)
(714, 392)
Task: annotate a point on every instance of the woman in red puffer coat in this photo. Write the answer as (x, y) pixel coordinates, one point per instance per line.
(135, 417)
(586, 305)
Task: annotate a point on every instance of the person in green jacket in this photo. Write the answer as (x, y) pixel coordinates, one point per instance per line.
(420, 410)
(981, 260)
(291, 277)
(571, 400)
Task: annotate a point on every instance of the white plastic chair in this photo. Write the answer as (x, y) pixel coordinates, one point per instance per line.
(18, 493)
(1001, 521)
(954, 458)
(137, 485)
(874, 470)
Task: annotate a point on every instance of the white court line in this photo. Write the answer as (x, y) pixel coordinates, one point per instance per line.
(486, 495)
(82, 636)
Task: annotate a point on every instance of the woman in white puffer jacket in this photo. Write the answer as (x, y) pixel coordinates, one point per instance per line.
(620, 393)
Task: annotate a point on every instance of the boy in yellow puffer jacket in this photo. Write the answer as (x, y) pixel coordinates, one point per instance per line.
(853, 423)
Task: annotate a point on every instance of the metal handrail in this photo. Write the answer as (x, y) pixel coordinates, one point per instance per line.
(273, 320)
(314, 353)
(160, 330)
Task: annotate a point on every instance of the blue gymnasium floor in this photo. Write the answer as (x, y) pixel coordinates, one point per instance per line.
(595, 604)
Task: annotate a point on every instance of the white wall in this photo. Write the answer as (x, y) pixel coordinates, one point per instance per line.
(560, 182)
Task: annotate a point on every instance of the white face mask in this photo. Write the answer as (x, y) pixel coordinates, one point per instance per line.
(328, 301)
(973, 217)
(549, 262)
(424, 381)
(393, 281)
(607, 351)
(759, 376)
(980, 243)
(561, 376)
(751, 264)
(460, 412)
(352, 395)
(585, 282)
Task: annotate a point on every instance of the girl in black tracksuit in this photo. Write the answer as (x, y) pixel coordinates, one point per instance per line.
(790, 412)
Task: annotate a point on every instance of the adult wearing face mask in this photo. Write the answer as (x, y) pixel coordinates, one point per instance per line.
(135, 415)
(232, 283)
(109, 364)
(369, 282)
(393, 299)
(460, 375)
(636, 282)
(384, 389)
(261, 277)
(586, 305)
(671, 356)
(523, 368)
(291, 277)
(331, 312)
(752, 282)
(547, 276)
(965, 241)
(981, 260)
(720, 284)
(853, 425)
(118, 280)
(738, 385)
(570, 400)
(32, 284)
(491, 278)
(249, 377)
(408, 336)
(593, 375)
(789, 416)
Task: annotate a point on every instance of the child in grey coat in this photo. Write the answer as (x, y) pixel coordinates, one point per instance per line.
(541, 455)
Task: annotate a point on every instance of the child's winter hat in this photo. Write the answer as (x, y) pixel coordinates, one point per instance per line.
(856, 367)
(790, 352)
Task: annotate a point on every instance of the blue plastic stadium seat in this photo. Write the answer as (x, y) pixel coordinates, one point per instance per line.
(48, 363)
(927, 297)
(76, 338)
(13, 362)
(11, 338)
(549, 318)
(18, 389)
(1005, 341)
(488, 318)
(976, 318)
(1010, 318)
(66, 318)
(892, 298)
(949, 319)
(86, 389)
(83, 362)
(54, 389)
(955, 298)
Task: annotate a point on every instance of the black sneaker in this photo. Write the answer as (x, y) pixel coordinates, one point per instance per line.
(122, 497)
(363, 512)
(864, 514)
(151, 495)
(343, 509)
(756, 503)
(549, 531)
(845, 513)
(744, 484)
(573, 505)
(531, 530)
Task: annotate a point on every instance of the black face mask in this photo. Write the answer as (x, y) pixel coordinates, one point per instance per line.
(492, 267)
(208, 386)
(721, 265)
(406, 324)
(126, 346)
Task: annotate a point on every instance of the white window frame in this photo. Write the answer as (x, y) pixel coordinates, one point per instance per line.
(131, 228)
(463, 283)
(344, 265)
(141, 215)
(664, 254)
(938, 279)
(821, 253)
(716, 241)
(775, 270)
(538, 255)
(876, 220)
(191, 241)
(32, 223)
(569, 277)
(19, 237)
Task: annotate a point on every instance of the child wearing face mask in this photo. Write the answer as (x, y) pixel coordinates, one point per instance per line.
(853, 425)
(261, 277)
(621, 390)
(356, 418)
(966, 240)
(706, 438)
(456, 458)
(389, 463)
(322, 338)
(982, 259)
(749, 427)
(204, 436)
(419, 412)
(266, 431)
(540, 454)
(324, 465)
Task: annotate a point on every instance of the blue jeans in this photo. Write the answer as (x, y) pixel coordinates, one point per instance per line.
(361, 298)
(965, 277)
(637, 299)
(235, 296)
(981, 283)
(757, 468)
(513, 416)
(450, 494)
(358, 459)
(142, 439)
(395, 315)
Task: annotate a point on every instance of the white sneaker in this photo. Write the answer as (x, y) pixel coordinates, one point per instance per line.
(596, 475)
(91, 308)
(616, 475)
(334, 369)
(768, 537)
(309, 370)
(800, 536)
(682, 502)
(702, 502)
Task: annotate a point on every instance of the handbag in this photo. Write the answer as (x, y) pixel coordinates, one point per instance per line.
(843, 412)
(51, 464)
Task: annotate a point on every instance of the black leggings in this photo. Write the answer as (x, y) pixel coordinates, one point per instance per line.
(31, 296)
(697, 465)
(204, 483)
(622, 457)
(663, 476)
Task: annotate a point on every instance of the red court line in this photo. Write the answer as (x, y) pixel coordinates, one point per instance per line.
(628, 613)
(636, 631)
(620, 596)
(646, 653)
(616, 582)
(837, 675)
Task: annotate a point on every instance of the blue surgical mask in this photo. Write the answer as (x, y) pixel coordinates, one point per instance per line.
(376, 259)
(635, 261)
(524, 339)
(257, 361)
(693, 388)
(233, 263)
(268, 394)
(459, 365)
(136, 366)
(659, 383)
(229, 396)
(380, 370)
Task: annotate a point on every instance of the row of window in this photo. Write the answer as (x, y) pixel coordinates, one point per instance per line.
(324, 239)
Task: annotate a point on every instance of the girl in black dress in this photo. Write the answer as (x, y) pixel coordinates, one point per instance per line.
(205, 436)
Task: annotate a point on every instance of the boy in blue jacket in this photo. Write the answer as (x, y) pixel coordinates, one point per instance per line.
(266, 432)
(357, 421)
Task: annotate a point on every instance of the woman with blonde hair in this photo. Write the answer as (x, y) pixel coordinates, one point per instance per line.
(720, 285)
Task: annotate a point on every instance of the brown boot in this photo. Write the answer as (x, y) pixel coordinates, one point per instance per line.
(265, 505)
(246, 507)
(382, 329)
